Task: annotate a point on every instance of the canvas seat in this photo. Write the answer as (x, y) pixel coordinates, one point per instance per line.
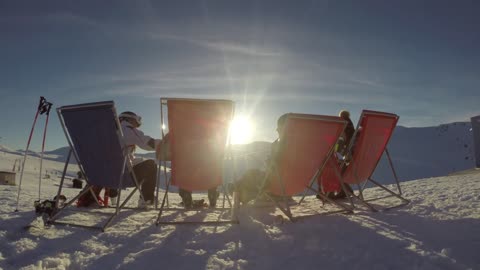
(198, 132)
(329, 181)
(95, 138)
(330, 177)
(371, 137)
(308, 143)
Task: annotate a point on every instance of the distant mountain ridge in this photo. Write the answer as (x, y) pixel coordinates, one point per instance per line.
(417, 152)
(4, 148)
(430, 151)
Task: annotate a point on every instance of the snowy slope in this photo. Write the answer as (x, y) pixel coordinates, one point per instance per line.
(440, 229)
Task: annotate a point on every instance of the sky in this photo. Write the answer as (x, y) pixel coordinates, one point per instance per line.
(418, 59)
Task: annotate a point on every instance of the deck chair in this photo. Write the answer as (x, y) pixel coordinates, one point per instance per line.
(370, 141)
(330, 179)
(308, 143)
(198, 132)
(95, 138)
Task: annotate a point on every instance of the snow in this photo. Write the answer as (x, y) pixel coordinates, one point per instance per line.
(439, 229)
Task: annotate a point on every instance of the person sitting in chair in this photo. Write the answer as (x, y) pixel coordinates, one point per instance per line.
(249, 186)
(145, 170)
(342, 149)
(347, 134)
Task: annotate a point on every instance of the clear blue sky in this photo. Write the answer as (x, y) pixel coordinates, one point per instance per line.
(419, 59)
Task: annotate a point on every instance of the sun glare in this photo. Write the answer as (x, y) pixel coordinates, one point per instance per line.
(241, 130)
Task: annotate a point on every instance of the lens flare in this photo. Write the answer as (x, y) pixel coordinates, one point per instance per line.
(241, 130)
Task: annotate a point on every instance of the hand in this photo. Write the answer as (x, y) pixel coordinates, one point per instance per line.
(161, 143)
(166, 138)
(163, 149)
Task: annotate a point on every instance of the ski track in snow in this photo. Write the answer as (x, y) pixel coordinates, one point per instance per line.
(439, 229)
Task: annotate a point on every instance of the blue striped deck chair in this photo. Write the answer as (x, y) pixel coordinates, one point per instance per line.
(95, 138)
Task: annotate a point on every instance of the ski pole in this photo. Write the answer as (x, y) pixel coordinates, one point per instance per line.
(49, 105)
(26, 151)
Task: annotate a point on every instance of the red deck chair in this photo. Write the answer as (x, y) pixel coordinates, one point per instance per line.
(329, 181)
(308, 144)
(373, 132)
(198, 131)
(330, 177)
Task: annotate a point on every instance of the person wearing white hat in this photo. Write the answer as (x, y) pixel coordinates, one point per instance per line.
(145, 170)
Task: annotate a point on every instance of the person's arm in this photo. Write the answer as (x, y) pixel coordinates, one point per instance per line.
(134, 136)
(270, 158)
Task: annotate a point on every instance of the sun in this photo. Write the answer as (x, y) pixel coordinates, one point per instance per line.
(241, 130)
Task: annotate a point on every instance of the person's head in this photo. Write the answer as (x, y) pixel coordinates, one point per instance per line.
(281, 124)
(344, 114)
(131, 117)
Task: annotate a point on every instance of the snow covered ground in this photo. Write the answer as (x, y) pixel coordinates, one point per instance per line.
(439, 229)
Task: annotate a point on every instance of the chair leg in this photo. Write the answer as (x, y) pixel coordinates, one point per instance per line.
(342, 185)
(119, 207)
(287, 211)
(284, 194)
(326, 198)
(157, 222)
(225, 195)
(389, 191)
(349, 194)
(106, 224)
(393, 171)
(360, 198)
(315, 176)
(104, 227)
(360, 191)
(63, 177)
(128, 197)
(304, 194)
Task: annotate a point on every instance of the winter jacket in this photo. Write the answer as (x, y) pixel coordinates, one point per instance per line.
(134, 137)
(349, 131)
(346, 137)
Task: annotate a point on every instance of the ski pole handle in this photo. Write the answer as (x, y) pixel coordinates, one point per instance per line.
(41, 103)
(49, 106)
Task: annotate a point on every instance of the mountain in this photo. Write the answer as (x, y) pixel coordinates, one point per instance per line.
(62, 151)
(59, 154)
(429, 151)
(4, 148)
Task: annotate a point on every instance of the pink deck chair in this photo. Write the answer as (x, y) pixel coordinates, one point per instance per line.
(329, 180)
(370, 141)
(198, 131)
(307, 144)
(330, 177)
